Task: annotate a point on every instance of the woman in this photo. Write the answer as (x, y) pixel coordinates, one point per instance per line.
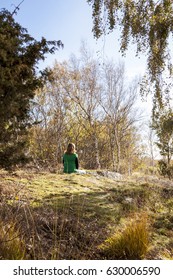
(70, 159)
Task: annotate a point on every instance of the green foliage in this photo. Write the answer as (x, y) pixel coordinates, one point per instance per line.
(148, 24)
(163, 126)
(162, 167)
(165, 169)
(19, 55)
(130, 244)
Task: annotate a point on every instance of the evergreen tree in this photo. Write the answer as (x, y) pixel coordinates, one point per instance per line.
(19, 79)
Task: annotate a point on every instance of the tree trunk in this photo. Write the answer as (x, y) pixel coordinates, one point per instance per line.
(112, 147)
(97, 158)
(118, 147)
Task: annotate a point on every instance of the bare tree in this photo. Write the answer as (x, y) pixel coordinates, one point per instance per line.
(92, 106)
(81, 87)
(117, 102)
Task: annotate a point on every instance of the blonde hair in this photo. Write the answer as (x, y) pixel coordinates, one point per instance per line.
(70, 148)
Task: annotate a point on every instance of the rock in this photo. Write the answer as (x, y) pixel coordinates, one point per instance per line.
(110, 174)
(105, 173)
(128, 199)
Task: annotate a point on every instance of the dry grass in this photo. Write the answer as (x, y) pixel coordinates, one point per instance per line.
(61, 216)
(12, 246)
(131, 243)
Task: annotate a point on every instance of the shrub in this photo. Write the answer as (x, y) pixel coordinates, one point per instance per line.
(130, 244)
(11, 246)
(165, 169)
(162, 166)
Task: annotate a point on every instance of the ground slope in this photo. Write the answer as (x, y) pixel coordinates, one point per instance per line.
(67, 216)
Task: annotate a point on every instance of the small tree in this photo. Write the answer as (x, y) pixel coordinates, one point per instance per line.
(19, 79)
(164, 131)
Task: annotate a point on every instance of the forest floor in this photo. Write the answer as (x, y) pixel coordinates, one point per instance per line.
(68, 216)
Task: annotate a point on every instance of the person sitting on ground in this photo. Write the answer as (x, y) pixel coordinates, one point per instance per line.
(70, 159)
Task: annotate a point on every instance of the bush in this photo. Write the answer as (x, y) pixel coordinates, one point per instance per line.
(130, 244)
(170, 172)
(165, 169)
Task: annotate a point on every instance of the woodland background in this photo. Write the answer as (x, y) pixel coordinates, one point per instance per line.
(122, 207)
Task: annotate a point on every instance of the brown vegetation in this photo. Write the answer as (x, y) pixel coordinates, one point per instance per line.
(58, 216)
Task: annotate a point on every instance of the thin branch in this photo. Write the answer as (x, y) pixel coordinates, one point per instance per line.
(17, 8)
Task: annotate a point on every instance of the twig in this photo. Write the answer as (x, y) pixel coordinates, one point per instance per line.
(17, 8)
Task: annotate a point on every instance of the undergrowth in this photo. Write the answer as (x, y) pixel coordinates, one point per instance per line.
(12, 247)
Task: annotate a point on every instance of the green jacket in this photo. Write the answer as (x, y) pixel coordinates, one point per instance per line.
(70, 162)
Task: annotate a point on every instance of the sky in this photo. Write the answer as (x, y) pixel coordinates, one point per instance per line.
(71, 22)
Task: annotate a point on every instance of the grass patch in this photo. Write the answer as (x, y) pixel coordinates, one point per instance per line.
(131, 243)
(12, 247)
